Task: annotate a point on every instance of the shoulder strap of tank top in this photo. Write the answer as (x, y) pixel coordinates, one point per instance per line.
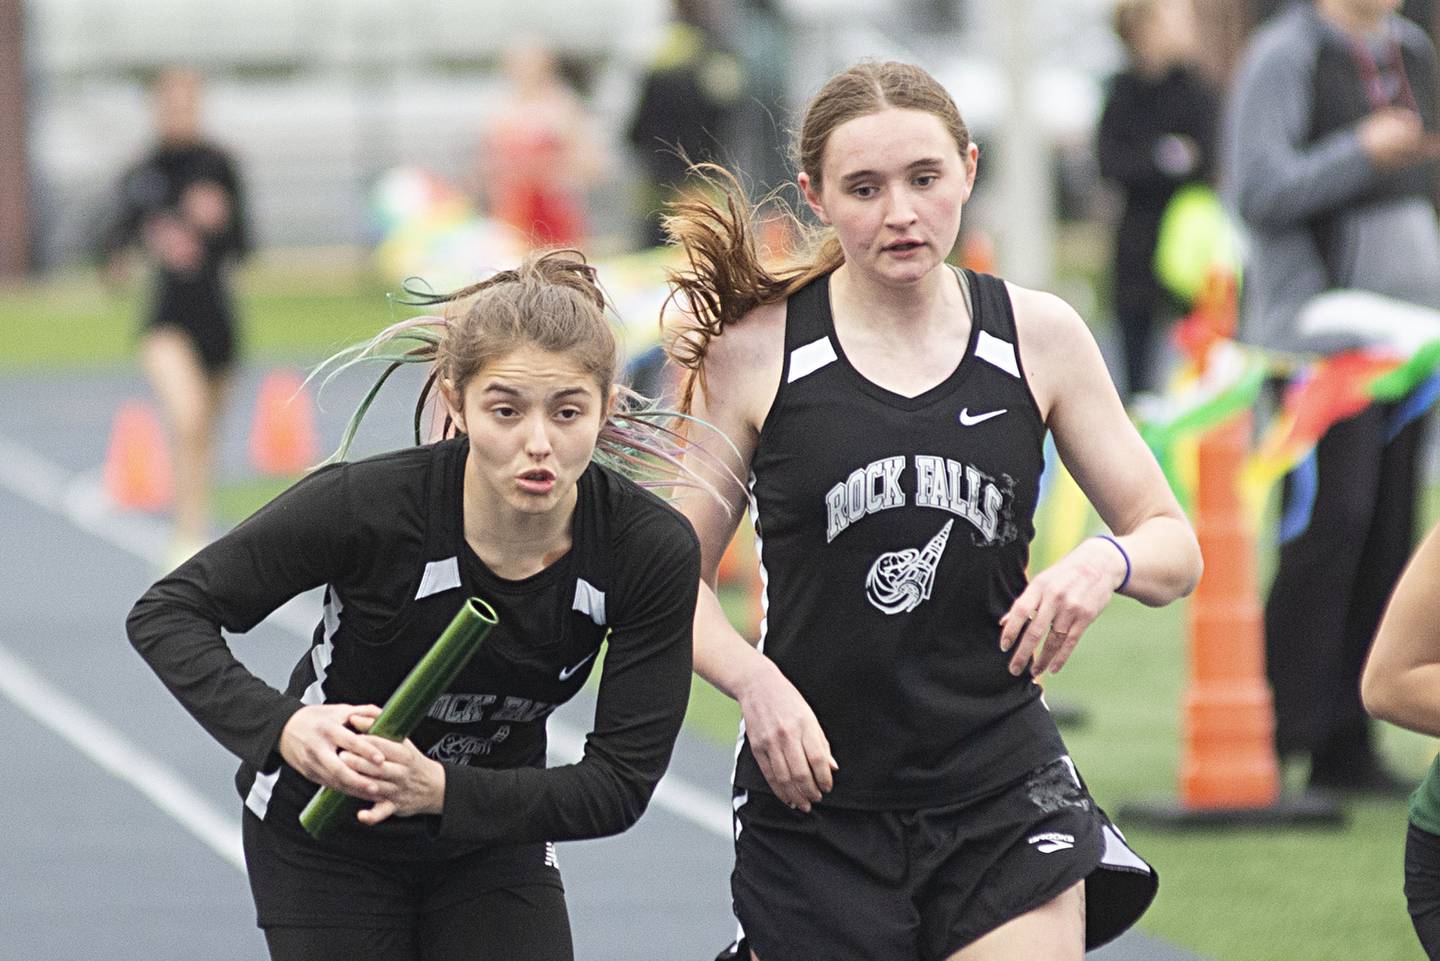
(807, 332)
(990, 304)
(992, 311)
(805, 314)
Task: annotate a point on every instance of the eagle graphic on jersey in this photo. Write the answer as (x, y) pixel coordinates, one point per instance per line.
(900, 580)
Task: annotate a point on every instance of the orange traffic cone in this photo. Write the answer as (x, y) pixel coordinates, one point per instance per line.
(1228, 756)
(731, 570)
(1228, 770)
(977, 251)
(738, 571)
(282, 432)
(137, 472)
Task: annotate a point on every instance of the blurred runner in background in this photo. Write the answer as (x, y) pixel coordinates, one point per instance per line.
(182, 205)
(540, 153)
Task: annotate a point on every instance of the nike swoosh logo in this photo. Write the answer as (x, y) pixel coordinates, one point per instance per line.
(568, 672)
(1050, 847)
(968, 419)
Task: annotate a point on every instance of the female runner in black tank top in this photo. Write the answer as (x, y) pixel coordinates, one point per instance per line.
(889, 413)
(183, 206)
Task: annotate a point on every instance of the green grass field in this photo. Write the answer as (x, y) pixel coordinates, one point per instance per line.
(73, 322)
(1242, 895)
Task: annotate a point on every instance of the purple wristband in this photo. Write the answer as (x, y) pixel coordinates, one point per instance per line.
(1112, 540)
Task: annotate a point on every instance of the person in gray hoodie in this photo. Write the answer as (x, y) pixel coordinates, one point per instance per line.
(1330, 162)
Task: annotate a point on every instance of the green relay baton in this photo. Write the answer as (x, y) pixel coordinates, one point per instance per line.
(412, 700)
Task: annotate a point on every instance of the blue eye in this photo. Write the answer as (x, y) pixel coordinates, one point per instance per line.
(925, 180)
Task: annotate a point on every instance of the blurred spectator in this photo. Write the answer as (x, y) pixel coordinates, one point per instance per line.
(540, 153)
(1157, 133)
(687, 108)
(1331, 149)
(182, 206)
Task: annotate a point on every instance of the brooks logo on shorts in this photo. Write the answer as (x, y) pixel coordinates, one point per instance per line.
(1052, 841)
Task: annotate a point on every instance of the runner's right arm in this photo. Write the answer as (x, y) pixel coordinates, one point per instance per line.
(742, 373)
(303, 538)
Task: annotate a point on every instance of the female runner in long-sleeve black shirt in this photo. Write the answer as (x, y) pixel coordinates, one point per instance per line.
(453, 858)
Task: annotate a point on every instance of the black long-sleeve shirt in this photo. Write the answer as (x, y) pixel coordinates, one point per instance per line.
(385, 537)
(156, 188)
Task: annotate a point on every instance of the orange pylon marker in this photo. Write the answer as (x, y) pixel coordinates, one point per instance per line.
(739, 570)
(977, 251)
(732, 569)
(137, 472)
(1229, 775)
(1228, 754)
(282, 432)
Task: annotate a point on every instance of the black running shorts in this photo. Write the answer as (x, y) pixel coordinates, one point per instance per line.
(1422, 887)
(847, 883)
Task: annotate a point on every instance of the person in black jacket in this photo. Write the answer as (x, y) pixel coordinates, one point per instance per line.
(689, 100)
(452, 856)
(1157, 133)
(183, 206)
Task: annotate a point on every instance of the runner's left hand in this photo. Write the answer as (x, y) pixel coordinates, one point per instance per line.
(1058, 605)
(409, 783)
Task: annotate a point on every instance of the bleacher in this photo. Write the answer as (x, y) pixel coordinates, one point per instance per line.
(315, 99)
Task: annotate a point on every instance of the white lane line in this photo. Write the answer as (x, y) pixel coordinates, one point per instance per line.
(92, 737)
(79, 498)
(30, 476)
(673, 793)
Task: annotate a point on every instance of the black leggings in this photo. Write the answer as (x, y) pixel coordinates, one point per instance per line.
(1422, 887)
(502, 925)
(1334, 573)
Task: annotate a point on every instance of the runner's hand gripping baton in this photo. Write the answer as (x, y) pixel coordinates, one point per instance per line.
(412, 700)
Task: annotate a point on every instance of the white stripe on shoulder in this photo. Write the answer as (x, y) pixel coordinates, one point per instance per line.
(999, 352)
(589, 601)
(258, 798)
(805, 360)
(439, 576)
(1117, 852)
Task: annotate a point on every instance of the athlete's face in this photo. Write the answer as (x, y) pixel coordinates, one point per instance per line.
(532, 417)
(892, 184)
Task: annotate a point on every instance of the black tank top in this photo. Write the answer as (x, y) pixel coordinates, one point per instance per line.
(893, 532)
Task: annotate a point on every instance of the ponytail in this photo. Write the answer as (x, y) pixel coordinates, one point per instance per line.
(728, 275)
(552, 301)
